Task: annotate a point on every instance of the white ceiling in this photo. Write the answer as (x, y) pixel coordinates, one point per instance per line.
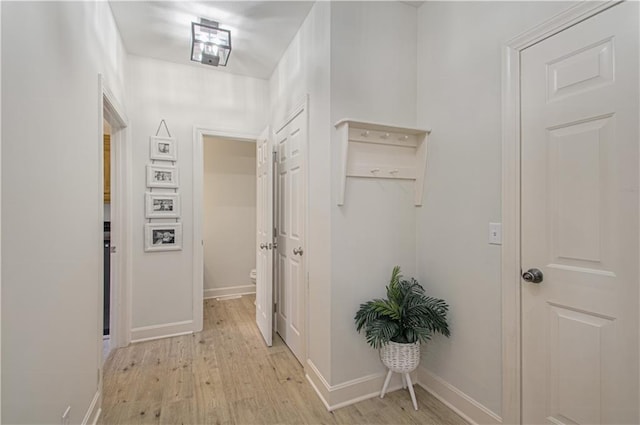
(260, 30)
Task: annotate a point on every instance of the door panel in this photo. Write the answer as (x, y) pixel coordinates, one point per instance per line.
(578, 172)
(291, 276)
(296, 203)
(579, 105)
(577, 357)
(282, 314)
(264, 239)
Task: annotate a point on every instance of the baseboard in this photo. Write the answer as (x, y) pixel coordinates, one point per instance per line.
(465, 406)
(93, 411)
(95, 420)
(228, 291)
(319, 384)
(349, 392)
(146, 333)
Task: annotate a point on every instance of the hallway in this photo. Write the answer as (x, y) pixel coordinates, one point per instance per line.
(226, 375)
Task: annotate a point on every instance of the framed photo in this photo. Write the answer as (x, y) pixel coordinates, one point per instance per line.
(163, 148)
(162, 205)
(162, 176)
(162, 237)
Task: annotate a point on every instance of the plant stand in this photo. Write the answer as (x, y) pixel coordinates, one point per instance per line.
(403, 359)
(406, 381)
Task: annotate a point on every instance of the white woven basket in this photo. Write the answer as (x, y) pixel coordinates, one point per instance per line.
(400, 358)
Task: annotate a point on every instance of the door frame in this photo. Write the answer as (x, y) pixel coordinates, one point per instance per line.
(114, 113)
(199, 131)
(511, 267)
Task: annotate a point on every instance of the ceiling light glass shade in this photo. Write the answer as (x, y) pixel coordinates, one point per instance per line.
(209, 44)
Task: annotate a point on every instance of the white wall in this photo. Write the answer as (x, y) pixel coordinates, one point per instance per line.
(51, 160)
(459, 92)
(229, 224)
(304, 69)
(373, 78)
(184, 96)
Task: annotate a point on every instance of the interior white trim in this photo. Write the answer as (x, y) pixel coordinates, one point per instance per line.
(229, 291)
(93, 411)
(510, 276)
(113, 112)
(97, 417)
(301, 106)
(349, 392)
(198, 243)
(465, 406)
(166, 330)
(318, 382)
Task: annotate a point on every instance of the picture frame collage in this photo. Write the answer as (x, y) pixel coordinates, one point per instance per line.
(162, 200)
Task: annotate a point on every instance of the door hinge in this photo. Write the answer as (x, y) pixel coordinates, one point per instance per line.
(275, 157)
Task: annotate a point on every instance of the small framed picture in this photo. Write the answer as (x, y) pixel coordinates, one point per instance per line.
(162, 205)
(162, 176)
(163, 148)
(162, 237)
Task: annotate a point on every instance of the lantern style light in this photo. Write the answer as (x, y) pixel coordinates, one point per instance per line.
(210, 45)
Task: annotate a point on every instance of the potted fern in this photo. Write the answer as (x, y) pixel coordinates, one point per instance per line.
(397, 325)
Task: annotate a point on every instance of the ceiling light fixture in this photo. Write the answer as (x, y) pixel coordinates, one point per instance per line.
(210, 45)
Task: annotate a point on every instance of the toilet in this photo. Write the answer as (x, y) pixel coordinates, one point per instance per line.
(252, 276)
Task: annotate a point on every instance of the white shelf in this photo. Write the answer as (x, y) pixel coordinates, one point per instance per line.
(381, 151)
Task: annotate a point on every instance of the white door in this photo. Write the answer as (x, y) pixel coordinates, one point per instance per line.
(291, 143)
(580, 228)
(264, 239)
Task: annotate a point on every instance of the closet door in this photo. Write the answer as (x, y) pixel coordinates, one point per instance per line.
(291, 144)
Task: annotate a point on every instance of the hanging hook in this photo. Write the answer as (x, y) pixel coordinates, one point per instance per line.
(165, 127)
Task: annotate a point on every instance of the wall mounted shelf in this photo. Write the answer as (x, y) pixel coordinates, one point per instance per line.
(381, 151)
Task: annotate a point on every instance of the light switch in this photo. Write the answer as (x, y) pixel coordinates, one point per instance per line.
(495, 233)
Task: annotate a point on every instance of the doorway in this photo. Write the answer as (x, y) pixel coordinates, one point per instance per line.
(114, 314)
(106, 228)
(229, 224)
(199, 135)
(571, 213)
(280, 188)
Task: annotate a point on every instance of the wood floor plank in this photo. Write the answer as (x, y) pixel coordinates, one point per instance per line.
(227, 375)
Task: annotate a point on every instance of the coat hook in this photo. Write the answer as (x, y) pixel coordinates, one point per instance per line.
(365, 133)
(385, 136)
(393, 172)
(375, 170)
(405, 137)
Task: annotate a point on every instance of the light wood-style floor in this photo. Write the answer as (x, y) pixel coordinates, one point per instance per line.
(226, 375)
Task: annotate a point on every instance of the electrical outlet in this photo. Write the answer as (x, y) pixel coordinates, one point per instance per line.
(66, 416)
(495, 233)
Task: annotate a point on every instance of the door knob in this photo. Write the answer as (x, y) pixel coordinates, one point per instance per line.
(263, 246)
(533, 276)
(297, 251)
